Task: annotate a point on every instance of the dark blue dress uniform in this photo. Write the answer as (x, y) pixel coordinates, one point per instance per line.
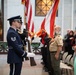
(15, 52)
(15, 47)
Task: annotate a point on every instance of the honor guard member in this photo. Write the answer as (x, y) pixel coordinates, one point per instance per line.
(15, 52)
(55, 49)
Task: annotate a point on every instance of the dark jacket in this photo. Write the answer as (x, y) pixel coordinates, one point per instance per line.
(15, 51)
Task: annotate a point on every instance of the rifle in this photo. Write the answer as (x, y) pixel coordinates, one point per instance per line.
(32, 61)
(22, 36)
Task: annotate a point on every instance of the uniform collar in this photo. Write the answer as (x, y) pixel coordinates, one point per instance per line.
(13, 28)
(56, 35)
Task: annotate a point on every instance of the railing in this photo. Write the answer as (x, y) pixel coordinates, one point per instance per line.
(3, 47)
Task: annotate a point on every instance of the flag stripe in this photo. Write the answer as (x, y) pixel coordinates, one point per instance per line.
(32, 29)
(43, 24)
(52, 20)
(29, 18)
(26, 7)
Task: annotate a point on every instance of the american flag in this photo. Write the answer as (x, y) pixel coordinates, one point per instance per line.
(29, 15)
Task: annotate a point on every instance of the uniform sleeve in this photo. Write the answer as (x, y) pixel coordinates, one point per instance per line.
(14, 43)
(59, 41)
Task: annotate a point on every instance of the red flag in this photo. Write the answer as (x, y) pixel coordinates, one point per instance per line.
(32, 29)
(42, 24)
(48, 24)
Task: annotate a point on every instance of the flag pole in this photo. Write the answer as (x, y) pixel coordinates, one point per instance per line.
(72, 14)
(62, 17)
(32, 61)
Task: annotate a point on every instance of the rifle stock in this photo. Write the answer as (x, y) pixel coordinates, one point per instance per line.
(32, 61)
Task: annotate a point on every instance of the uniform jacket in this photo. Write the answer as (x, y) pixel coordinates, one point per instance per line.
(15, 47)
(57, 41)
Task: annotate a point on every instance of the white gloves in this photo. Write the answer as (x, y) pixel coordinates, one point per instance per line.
(29, 54)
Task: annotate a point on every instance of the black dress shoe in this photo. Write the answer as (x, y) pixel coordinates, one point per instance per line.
(42, 63)
(26, 58)
(46, 70)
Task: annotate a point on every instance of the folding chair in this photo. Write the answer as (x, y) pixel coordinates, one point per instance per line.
(67, 60)
(64, 56)
(65, 69)
(71, 62)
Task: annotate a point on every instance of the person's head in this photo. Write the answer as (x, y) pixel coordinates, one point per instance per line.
(15, 21)
(68, 31)
(75, 32)
(71, 32)
(57, 29)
